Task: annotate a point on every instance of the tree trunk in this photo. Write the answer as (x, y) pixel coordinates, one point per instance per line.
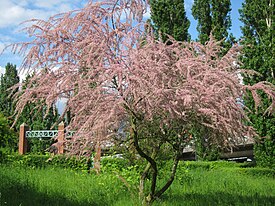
(172, 176)
(150, 160)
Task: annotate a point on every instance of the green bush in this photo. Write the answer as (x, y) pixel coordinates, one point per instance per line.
(265, 153)
(204, 165)
(8, 138)
(39, 146)
(123, 168)
(41, 161)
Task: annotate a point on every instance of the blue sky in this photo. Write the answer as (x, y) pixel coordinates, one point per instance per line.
(13, 12)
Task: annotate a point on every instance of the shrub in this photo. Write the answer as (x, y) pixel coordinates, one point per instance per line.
(40, 161)
(265, 152)
(8, 138)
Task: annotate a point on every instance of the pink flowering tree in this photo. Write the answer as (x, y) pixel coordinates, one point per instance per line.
(111, 71)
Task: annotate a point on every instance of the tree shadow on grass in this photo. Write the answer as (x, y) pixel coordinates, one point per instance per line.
(19, 195)
(219, 198)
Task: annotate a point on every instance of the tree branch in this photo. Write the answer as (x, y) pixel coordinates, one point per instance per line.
(147, 157)
(172, 176)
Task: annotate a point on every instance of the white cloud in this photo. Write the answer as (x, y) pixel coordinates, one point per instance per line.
(2, 70)
(4, 41)
(13, 12)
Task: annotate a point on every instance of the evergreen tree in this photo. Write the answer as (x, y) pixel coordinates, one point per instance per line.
(35, 116)
(213, 16)
(169, 17)
(258, 17)
(9, 79)
(202, 13)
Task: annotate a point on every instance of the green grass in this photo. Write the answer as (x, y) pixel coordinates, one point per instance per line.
(222, 187)
(53, 187)
(193, 186)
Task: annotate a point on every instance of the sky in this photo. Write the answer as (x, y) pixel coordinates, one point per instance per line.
(14, 12)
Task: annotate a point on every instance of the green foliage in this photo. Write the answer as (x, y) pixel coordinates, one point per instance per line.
(39, 146)
(34, 114)
(258, 31)
(265, 153)
(208, 153)
(42, 161)
(169, 17)
(123, 169)
(9, 79)
(109, 164)
(202, 12)
(8, 138)
(206, 150)
(213, 16)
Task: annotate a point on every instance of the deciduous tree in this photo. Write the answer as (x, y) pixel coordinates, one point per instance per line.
(213, 16)
(8, 138)
(178, 86)
(9, 79)
(258, 54)
(169, 17)
(35, 115)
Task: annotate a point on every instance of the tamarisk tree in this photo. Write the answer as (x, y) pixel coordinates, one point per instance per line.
(95, 57)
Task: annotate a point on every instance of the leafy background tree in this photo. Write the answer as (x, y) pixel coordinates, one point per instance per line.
(213, 16)
(36, 116)
(169, 17)
(8, 137)
(258, 54)
(9, 79)
(33, 115)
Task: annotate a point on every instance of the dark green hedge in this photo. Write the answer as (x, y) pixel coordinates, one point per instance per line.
(39, 161)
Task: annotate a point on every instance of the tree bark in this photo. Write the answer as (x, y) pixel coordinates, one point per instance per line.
(150, 160)
(172, 176)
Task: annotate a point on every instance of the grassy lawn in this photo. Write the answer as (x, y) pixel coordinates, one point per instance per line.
(27, 186)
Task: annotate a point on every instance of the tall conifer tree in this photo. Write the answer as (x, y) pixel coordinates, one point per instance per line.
(35, 116)
(258, 17)
(9, 79)
(169, 17)
(213, 16)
